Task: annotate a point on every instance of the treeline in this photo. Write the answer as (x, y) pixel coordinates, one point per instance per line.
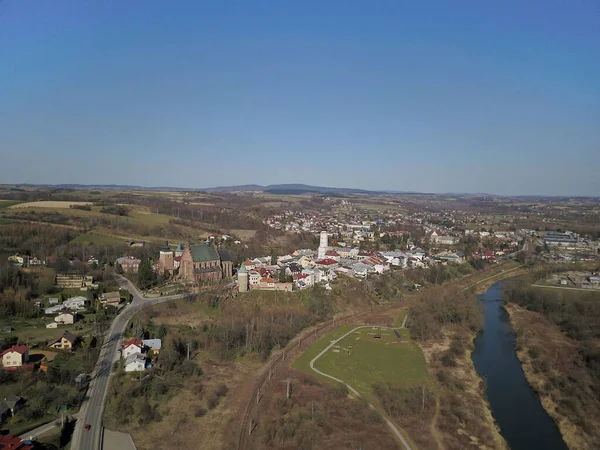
(438, 307)
(33, 239)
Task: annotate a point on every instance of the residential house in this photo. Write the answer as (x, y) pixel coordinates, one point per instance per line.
(132, 346)
(65, 319)
(75, 303)
(53, 301)
(111, 298)
(52, 325)
(53, 309)
(15, 356)
(135, 362)
(153, 344)
(67, 341)
(253, 278)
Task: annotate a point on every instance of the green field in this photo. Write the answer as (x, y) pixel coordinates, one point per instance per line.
(8, 203)
(361, 360)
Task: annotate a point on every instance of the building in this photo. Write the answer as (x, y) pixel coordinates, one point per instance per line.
(136, 362)
(65, 319)
(8, 442)
(243, 282)
(53, 309)
(203, 264)
(67, 341)
(52, 325)
(322, 250)
(15, 356)
(166, 261)
(75, 303)
(129, 264)
(111, 298)
(73, 281)
(153, 344)
(132, 346)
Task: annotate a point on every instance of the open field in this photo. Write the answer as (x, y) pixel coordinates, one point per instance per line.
(8, 203)
(244, 235)
(47, 204)
(360, 359)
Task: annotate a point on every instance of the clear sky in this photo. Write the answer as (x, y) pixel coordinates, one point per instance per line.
(435, 96)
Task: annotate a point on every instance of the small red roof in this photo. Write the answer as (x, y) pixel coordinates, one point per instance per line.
(327, 262)
(301, 276)
(133, 341)
(332, 253)
(13, 443)
(15, 348)
(267, 280)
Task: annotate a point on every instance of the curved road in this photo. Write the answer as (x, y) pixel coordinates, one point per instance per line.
(93, 406)
(393, 427)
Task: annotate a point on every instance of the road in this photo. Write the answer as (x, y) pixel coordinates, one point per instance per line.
(565, 288)
(93, 407)
(40, 430)
(393, 427)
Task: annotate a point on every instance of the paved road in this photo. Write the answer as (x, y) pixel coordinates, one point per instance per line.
(393, 427)
(92, 408)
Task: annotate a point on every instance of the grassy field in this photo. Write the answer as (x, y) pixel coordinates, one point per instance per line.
(9, 203)
(361, 360)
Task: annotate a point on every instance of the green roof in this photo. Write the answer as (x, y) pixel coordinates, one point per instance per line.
(203, 252)
(242, 269)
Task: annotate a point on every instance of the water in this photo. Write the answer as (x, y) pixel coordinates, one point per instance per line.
(516, 407)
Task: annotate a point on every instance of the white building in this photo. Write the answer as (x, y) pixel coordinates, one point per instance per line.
(131, 347)
(136, 362)
(65, 319)
(322, 245)
(75, 303)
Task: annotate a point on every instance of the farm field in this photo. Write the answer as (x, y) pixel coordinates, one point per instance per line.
(47, 204)
(360, 359)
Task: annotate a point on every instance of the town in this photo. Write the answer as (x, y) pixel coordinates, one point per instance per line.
(67, 297)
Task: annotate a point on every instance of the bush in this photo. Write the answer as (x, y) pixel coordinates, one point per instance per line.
(534, 352)
(221, 390)
(340, 391)
(212, 401)
(448, 360)
(199, 412)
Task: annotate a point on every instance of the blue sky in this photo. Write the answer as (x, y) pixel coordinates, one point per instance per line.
(449, 96)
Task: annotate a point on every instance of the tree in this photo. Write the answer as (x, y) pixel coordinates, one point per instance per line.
(119, 269)
(146, 275)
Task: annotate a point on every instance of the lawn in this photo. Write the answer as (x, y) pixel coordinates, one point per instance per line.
(361, 360)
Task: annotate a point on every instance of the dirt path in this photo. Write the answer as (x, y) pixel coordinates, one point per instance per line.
(434, 430)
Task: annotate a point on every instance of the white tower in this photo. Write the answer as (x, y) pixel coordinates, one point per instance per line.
(322, 245)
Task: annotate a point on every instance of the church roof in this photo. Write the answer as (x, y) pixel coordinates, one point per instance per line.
(203, 252)
(179, 248)
(242, 269)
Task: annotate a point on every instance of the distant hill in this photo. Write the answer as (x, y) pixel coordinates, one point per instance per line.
(289, 189)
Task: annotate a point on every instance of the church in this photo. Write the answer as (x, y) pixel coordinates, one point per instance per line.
(203, 263)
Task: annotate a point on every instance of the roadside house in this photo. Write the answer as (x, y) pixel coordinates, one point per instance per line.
(111, 298)
(15, 356)
(132, 346)
(65, 319)
(135, 362)
(153, 344)
(67, 341)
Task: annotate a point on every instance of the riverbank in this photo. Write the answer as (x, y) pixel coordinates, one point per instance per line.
(547, 356)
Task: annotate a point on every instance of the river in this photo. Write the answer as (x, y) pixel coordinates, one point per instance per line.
(516, 407)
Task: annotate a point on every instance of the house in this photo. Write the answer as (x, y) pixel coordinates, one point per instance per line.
(153, 344)
(129, 264)
(15, 356)
(52, 325)
(53, 301)
(75, 303)
(132, 346)
(65, 319)
(135, 362)
(111, 298)
(53, 309)
(253, 278)
(67, 341)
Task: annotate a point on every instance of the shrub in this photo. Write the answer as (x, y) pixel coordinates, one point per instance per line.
(221, 390)
(199, 412)
(212, 401)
